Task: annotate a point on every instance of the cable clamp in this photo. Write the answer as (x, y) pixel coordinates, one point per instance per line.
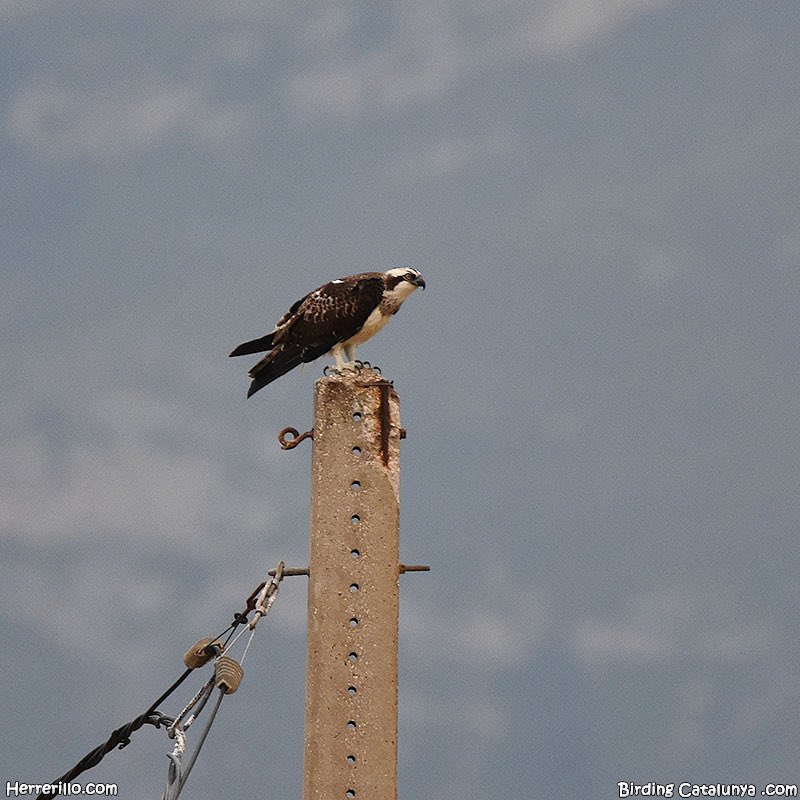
(266, 597)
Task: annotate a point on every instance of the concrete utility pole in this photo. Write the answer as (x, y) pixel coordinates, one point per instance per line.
(351, 679)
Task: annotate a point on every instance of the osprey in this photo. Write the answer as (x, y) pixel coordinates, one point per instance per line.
(334, 319)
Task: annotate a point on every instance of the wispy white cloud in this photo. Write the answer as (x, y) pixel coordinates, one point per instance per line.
(9, 7)
(450, 155)
(130, 596)
(556, 27)
(673, 623)
(102, 123)
(110, 486)
(92, 451)
(420, 64)
(120, 482)
(499, 629)
(434, 45)
(104, 608)
(484, 716)
(427, 50)
(326, 27)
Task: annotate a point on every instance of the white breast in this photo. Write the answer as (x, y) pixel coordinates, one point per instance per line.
(375, 321)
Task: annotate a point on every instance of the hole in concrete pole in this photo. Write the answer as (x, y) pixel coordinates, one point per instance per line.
(352, 657)
(355, 554)
(351, 690)
(350, 793)
(355, 519)
(353, 588)
(351, 759)
(356, 451)
(355, 485)
(357, 416)
(353, 622)
(351, 725)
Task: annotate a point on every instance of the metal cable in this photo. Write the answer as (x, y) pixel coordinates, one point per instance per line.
(175, 774)
(185, 773)
(199, 700)
(119, 738)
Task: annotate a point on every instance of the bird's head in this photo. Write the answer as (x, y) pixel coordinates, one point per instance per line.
(401, 281)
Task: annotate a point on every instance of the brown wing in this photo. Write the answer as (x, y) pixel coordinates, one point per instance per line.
(332, 313)
(314, 324)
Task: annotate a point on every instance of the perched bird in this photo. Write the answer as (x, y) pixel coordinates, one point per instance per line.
(334, 319)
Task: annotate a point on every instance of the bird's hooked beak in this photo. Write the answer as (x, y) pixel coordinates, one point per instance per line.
(420, 281)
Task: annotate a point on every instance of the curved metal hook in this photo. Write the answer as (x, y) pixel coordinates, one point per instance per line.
(296, 437)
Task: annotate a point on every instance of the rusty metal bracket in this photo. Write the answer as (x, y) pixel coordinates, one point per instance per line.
(414, 568)
(289, 572)
(297, 437)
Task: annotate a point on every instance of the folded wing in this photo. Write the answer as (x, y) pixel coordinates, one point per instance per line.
(313, 325)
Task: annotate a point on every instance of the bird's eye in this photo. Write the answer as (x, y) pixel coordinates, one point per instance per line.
(410, 276)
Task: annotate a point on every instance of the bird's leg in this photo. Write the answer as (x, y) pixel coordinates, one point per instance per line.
(350, 351)
(339, 363)
(338, 352)
(352, 362)
(345, 360)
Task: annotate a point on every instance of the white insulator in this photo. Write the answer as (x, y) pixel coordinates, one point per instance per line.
(228, 674)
